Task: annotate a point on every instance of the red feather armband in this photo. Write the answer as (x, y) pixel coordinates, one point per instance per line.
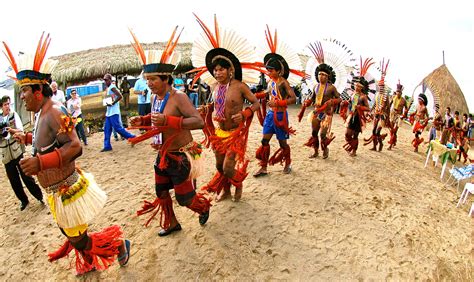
(50, 160)
(146, 120)
(247, 112)
(260, 95)
(174, 122)
(282, 103)
(28, 138)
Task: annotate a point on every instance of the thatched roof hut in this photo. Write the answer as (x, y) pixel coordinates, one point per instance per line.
(445, 90)
(84, 66)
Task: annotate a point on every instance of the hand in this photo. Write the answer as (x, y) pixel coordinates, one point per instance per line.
(237, 118)
(13, 131)
(19, 136)
(158, 119)
(136, 121)
(30, 165)
(272, 104)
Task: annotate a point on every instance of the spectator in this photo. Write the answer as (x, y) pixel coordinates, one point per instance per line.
(74, 107)
(112, 116)
(193, 90)
(58, 95)
(125, 88)
(12, 153)
(141, 89)
(179, 84)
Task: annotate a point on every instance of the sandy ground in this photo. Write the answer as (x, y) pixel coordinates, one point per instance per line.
(377, 216)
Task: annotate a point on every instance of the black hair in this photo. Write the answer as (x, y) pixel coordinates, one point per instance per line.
(4, 99)
(274, 64)
(47, 91)
(464, 115)
(456, 112)
(221, 62)
(449, 109)
(167, 78)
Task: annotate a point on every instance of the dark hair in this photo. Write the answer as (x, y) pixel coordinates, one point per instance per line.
(449, 109)
(274, 64)
(456, 113)
(221, 62)
(47, 91)
(167, 78)
(464, 115)
(4, 99)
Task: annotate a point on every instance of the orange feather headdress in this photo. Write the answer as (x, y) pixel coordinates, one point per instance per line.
(157, 62)
(31, 69)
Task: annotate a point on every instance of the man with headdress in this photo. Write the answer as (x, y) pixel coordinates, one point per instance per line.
(170, 122)
(380, 112)
(325, 98)
(280, 95)
(398, 107)
(353, 111)
(229, 139)
(73, 195)
(419, 119)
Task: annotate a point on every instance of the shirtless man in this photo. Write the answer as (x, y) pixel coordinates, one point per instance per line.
(420, 117)
(276, 121)
(398, 106)
(73, 195)
(170, 123)
(325, 98)
(229, 142)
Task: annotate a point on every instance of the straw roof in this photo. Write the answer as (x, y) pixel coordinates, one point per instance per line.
(84, 66)
(446, 90)
(88, 65)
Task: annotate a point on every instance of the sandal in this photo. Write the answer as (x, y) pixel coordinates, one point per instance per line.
(126, 255)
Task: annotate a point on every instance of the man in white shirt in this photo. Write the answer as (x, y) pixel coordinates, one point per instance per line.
(58, 95)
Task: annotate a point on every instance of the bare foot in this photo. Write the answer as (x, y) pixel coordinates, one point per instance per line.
(261, 172)
(238, 194)
(373, 149)
(287, 169)
(223, 195)
(313, 156)
(352, 154)
(326, 153)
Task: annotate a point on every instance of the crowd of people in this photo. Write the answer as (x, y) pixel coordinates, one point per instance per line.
(169, 109)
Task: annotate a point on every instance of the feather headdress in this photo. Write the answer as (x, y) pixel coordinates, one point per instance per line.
(383, 70)
(32, 69)
(288, 59)
(224, 44)
(332, 57)
(158, 62)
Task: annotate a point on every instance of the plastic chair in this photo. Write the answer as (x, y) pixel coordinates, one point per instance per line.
(460, 173)
(468, 189)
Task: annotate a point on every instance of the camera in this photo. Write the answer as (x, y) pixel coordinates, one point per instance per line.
(3, 126)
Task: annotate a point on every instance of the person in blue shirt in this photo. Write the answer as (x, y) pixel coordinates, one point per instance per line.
(144, 103)
(112, 116)
(178, 83)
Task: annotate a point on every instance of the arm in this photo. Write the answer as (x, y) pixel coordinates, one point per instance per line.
(247, 94)
(69, 151)
(118, 94)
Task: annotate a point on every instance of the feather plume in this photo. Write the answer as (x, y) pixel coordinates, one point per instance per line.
(138, 48)
(10, 57)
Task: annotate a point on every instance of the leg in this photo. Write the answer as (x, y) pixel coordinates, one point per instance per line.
(263, 154)
(14, 178)
(80, 130)
(118, 127)
(314, 141)
(325, 141)
(187, 196)
(224, 189)
(286, 155)
(107, 133)
(230, 173)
